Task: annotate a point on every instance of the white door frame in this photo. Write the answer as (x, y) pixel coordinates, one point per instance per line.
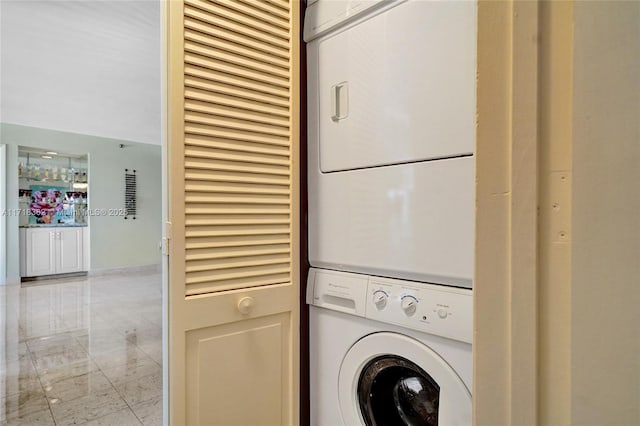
(3, 214)
(166, 231)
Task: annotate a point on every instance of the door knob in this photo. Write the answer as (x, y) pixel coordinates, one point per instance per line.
(245, 305)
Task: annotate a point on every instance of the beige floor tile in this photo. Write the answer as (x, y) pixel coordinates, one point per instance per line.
(103, 341)
(126, 373)
(22, 367)
(39, 418)
(150, 412)
(87, 408)
(129, 355)
(49, 376)
(143, 389)
(77, 387)
(15, 384)
(61, 334)
(59, 357)
(22, 404)
(119, 418)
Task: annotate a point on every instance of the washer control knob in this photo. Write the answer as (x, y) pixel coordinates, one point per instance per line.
(442, 313)
(409, 304)
(380, 299)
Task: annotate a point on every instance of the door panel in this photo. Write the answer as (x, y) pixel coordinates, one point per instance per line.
(69, 254)
(255, 354)
(233, 206)
(41, 252)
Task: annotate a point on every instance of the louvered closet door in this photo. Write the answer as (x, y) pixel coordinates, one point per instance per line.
(233, 176)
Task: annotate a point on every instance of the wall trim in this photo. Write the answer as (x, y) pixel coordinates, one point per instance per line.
(505, 284)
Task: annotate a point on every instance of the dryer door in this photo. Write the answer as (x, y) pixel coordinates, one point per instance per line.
(398, 87)
(411, 386)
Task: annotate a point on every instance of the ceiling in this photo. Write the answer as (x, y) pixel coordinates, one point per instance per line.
(90, 67)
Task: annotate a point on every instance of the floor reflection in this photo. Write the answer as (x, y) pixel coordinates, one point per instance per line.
(82, 351)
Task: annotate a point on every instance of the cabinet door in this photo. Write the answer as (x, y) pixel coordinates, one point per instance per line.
(69, 253)
(41, 257)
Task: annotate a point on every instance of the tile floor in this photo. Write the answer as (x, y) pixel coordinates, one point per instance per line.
(82, 351)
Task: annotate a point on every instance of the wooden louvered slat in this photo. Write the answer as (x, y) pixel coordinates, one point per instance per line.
(224, 165)
(227, 264)
(239, 61)
(233, 85)
(214, 198)
(222, 154)
(208, 143)
(236, 273)
(233, 112)
(203, 15)
(220, 8)
(256, 280)
(266, 219)
(233, 101)
(275, 19)
(242, 241)
(236, 123)
(221, 132)
(219, 176)
(268, 8)
(235, 188)
(238, 50)
(257, 75)
(250, 229)
(237, 144)
(230, 252)
(251, 43)
(236, 209)
(282, 4)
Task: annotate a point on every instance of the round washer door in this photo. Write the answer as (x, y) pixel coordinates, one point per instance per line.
(391, 379)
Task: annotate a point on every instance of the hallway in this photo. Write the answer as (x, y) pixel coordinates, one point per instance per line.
(85, 350)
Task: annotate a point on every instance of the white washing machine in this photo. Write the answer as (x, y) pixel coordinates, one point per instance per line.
(388, 352)
(391, 119)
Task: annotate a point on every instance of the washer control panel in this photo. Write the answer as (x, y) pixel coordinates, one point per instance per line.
(444, 311)
(435, 309)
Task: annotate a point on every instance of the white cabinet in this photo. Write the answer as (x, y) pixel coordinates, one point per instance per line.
(48, 251)
(40, 252)
(69, 254)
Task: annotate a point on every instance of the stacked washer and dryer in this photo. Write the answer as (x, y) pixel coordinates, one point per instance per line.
(391, 90)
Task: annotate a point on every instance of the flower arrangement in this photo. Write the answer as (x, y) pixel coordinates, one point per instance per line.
(45, 204)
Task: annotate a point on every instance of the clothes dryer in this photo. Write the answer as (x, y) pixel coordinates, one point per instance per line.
(391, 119)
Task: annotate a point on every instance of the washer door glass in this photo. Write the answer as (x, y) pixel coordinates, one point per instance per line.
(394, 391)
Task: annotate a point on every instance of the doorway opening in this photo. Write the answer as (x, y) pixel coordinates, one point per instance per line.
(81, 142)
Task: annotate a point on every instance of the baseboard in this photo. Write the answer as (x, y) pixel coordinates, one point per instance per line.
(10, 281)
(153, 268)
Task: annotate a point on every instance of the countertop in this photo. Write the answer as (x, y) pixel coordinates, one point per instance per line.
(54, 225)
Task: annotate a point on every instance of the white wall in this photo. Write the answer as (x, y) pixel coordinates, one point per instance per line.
(89, 67)
(605, 294)
(115, 242)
